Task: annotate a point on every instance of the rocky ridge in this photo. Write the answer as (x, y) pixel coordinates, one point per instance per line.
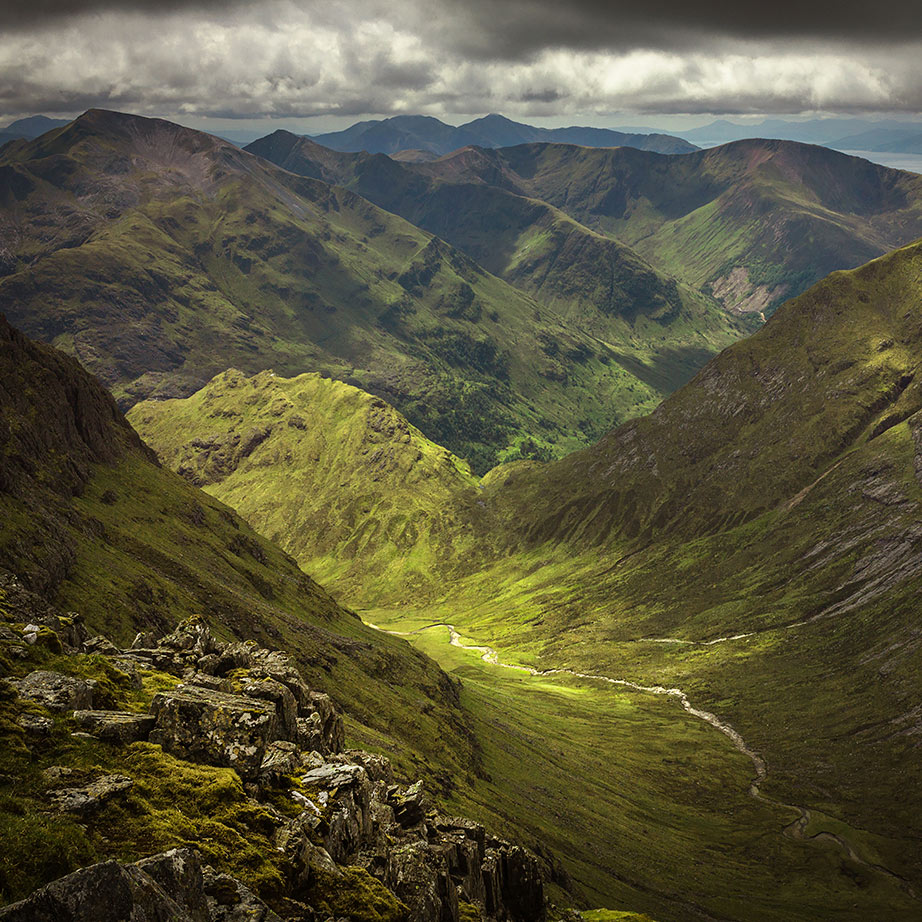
(351, 841)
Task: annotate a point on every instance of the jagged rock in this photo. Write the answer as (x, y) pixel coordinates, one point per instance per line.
(267, 689)
(55, 691)
(192, 636)
(513, 885)
(31, 609)
(230, 901)
(92, 796)
(409, 805)
(115, 726)
(332, 728)
(304, 859)
(349, 817)
(462, 843)
(378, 767)
(179, 873)
(281, 758)
(102, 645)
(418, 875)
(214, 727)
(103, 892)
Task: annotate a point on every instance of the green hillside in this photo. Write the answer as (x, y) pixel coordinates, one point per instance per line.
(159, 256)
(335, 476)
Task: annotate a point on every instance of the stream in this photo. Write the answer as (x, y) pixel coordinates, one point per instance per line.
(795, 830)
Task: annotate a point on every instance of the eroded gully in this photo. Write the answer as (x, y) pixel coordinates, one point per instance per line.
(795, 830)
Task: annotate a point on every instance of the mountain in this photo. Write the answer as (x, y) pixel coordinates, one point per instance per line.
(159, 256)
(91, 523)
(750, 223)
(592, 282)
(420, 132)
(825, 131)
(355, 493)
(890, 140)
(754, 545)
(33, 126)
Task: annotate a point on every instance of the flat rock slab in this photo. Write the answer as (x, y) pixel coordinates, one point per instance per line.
(115, 726)
(215, 727)
(92, 796)
(333, 775)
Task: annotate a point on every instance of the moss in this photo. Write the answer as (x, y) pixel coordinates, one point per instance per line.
(468, 912)
(356, 896)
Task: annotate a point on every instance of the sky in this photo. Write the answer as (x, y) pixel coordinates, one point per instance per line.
(323, 64)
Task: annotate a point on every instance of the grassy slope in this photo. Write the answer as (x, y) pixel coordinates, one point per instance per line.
(91, 522)
(159, 256)
(336, 477)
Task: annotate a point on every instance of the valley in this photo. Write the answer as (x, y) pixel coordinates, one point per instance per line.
(497, 446)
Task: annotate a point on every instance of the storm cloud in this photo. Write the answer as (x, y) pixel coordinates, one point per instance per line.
(301, 58)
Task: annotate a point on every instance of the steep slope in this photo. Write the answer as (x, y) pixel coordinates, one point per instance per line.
(90, 522)
(159, 256)
(335, 476)
(419, 132)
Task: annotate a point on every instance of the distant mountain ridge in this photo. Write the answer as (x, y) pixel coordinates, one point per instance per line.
(421, 132)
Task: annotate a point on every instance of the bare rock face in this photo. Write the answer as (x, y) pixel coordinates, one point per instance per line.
(230, 901)
(214, 727)
(179, 873)
(92, 796)
(55, 691)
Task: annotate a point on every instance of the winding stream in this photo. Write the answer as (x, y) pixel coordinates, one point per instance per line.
(795, 830)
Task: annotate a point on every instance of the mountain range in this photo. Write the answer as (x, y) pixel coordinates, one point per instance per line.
(429, 136)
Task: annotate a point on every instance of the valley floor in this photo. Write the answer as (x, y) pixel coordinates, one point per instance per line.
(649, 804)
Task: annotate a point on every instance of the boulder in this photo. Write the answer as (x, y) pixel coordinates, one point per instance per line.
(410, 804)
(56, 691)
(348, 813)
(214, 727)
(92, 796)
(267, 689)
(34, 725)
(115, 726)
(230, 901)
(281, 758)
(179, 873)
(103, 892)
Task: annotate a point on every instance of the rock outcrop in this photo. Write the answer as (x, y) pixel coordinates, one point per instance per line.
(349, 831)
(171, 887)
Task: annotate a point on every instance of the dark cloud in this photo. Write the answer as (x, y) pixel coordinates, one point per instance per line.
(518, 28)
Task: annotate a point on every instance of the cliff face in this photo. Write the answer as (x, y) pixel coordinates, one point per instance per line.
(222, 751)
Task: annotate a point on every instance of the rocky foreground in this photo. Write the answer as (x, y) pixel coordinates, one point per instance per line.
(321, 833)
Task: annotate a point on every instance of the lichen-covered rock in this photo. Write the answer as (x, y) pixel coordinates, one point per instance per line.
(179, 873)
(100, 893)
(348, 790)
(267, 689)
(55, 691)
(230, 901)
(418, 875)
(115, 726)
(92, 796)
(281, 758)
(214, 727)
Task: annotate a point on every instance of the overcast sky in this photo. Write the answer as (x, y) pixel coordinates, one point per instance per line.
(335, 61)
